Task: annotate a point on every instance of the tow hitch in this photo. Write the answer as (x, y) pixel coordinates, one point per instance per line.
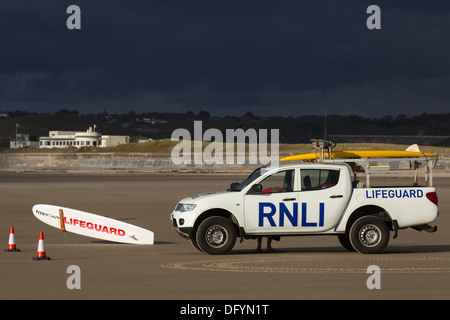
(425, 227)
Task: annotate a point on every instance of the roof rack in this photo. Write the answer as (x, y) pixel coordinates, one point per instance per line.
(382, 165)
(391, 165)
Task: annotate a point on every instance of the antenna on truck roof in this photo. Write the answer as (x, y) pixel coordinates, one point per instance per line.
(319, 145)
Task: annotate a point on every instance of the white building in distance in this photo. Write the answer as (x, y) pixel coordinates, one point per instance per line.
(23, 141)
(89, 138)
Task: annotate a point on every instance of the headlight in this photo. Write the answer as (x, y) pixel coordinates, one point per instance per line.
(183, 207)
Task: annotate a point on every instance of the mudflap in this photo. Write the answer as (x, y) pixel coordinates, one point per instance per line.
(395, 228)
(241, 234)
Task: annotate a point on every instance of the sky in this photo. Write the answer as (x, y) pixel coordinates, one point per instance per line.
(269, 57)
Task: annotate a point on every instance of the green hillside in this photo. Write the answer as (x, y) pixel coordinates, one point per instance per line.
(157, 125)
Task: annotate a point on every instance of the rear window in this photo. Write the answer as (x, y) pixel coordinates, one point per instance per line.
(318, 179)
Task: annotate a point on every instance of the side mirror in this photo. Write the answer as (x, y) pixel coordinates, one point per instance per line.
(234, 185)
(255, 189)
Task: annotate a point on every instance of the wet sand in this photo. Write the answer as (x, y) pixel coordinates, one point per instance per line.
(416, 265)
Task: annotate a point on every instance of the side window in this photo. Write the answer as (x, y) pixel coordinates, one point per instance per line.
(282, 181)
(318, 179)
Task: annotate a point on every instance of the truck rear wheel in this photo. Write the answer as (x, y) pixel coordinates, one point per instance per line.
(369, 234)
(216, 235)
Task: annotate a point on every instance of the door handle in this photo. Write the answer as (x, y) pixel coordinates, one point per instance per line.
(336, 196)
(289, 199)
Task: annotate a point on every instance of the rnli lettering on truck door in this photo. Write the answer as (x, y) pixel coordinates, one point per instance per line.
(268, 211)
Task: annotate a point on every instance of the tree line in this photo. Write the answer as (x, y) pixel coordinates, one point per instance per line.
(159, 125)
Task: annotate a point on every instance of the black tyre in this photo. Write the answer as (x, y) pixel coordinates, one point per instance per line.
(216, 235)
(369, 234)
(344, 240)
(195, 245)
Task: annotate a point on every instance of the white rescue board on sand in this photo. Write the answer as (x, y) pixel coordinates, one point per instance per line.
(92, 225)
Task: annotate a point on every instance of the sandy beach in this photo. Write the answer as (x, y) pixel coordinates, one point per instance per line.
(416, 265)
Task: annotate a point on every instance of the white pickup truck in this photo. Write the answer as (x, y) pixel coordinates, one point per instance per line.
(304, 199)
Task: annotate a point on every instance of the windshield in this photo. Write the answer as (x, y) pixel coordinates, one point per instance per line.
(254, 175)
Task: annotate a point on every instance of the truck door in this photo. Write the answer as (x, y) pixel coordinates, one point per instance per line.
(262, 210)
(323, 197)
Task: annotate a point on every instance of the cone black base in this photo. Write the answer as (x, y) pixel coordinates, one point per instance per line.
(12, 250)
(41, 258)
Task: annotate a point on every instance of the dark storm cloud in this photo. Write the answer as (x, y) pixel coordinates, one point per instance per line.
(227, 57)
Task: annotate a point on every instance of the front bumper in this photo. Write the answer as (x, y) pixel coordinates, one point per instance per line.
(186, 232)
(178, 221)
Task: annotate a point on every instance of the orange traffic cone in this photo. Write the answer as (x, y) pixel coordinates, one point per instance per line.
(41, 249)
(12, 241)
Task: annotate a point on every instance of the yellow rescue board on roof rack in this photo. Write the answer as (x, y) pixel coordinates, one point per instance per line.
(359, 154)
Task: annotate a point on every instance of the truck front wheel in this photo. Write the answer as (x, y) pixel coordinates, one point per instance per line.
(344, 240)
(369, 234)
(216, 235)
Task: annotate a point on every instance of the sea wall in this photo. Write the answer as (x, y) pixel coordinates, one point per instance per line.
(106, 162)
(126, 162)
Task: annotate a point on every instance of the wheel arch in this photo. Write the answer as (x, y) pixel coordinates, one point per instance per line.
(369, 210)
(215, 212)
